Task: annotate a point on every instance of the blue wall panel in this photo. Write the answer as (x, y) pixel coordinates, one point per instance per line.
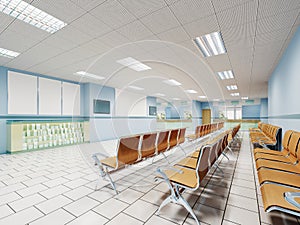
(251, 112)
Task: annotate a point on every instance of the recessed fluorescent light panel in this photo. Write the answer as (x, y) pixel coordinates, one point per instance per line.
(8, 53)
(176, 99)
(31, 15)
(244, 98)
(225, 75)
(136, 88)
(191, 91)
(133, 64)
(202, 96)
(216, 100)
(210, 44)
(231, 87)
(88, 75)
(235, 94)
(172, 82)
(160, 94)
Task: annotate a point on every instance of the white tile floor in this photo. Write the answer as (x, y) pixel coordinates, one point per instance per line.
(57, 187)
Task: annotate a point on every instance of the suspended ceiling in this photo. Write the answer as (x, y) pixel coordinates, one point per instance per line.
(158, 33)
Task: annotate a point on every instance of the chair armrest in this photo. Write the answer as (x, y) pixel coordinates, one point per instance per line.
(290, 198)
(160, 170)
(261, 143)
(95, 157)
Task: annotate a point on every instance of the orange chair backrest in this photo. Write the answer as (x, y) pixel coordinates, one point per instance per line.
(294, 143)
(286, 139)
(202, 163)
(148, 147)
(163, 141)
(181, 136)
(128, 149)
(173, 138)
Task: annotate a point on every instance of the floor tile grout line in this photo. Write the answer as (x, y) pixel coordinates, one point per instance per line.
(254, 171)
(237, 157)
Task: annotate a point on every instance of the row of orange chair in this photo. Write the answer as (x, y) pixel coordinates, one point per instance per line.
(188, 173)
(134, 149)
(267, 135)
(205, 129)
(279, 175)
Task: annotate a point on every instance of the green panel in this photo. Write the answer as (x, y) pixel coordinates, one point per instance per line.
(235, 102)
(249, 102)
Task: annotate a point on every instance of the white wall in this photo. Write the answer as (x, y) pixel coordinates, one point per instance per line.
(49, 97)
(22, 94)
(130, 104)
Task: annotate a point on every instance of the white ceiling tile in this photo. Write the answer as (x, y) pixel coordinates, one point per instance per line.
(170, 2)
(221, 5)
(276, 35)
(160, 21)
(240, 32)
(114, 39)
(4, 60)
(273, 7)
(113, 14)
(189, 10)
(90, 25)
(26, 29)
(73, 35)
(35, 55)
(132, 49)
(238, 15)
(135, 31)
(276, 22)
(142, 7)
(59, 42)
(202, 26)
(5, 20)
(239, 45)
(65, 10)
(219, 62)
(11, 40)
(88, 4)
(175, 35)
(189, 45)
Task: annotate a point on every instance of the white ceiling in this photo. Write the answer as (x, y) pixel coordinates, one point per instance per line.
(159, 33)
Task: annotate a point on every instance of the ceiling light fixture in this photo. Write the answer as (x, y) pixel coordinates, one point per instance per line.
(133, 64)
(8, 53)
(231, 87)
(235, 94)
(202, 96)
(244, 98)
(160, 94)
(210, 44)
(225, 75)
(172, 82)
(136, 88)
(176, 99)
(88, 75)
(190, 91)
(29, 14)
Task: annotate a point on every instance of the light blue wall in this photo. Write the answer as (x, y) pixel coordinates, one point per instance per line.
(150, 101)
(263, 108)
(3, 108)
(95, 91)
(251, 111)
(284, 88)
